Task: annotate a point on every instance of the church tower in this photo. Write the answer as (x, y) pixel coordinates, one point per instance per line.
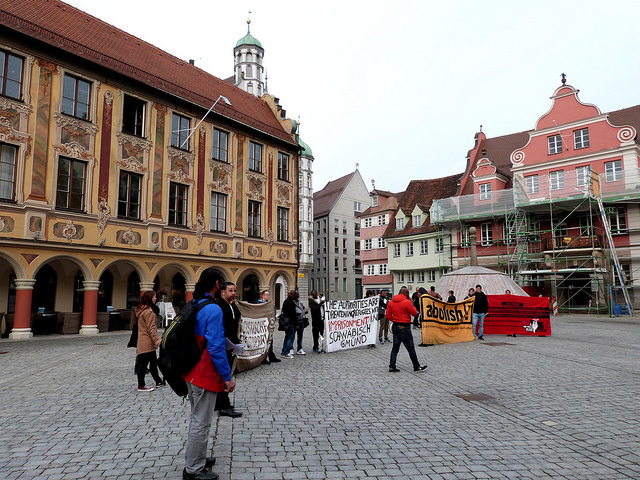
(248, 54)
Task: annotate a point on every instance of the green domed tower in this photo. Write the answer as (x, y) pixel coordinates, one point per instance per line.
(248, 54)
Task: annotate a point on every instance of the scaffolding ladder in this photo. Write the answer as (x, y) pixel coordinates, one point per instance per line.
(614, 255)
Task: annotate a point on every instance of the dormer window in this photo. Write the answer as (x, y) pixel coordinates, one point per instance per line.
(375, 200)
(399, 223)
(417, 221)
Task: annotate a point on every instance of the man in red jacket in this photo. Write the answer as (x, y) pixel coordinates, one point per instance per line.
(210, 376)
(399, 311)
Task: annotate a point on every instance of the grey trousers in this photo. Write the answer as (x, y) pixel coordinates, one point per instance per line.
(202, 403)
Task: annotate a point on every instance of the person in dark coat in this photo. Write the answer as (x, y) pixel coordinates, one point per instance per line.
(289, 312)
(317, 321)
(480, 309)
(231, 322)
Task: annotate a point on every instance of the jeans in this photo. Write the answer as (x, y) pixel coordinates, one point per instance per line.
(300, 333)
(317, 329)
(289, 337)
(144, 359)
(402, 335)
(477, 319)
(383, 328)
(202, 403)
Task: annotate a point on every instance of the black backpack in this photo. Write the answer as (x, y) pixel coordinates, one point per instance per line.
(179, 351)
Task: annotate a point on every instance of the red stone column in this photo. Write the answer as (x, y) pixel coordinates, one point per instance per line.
(188, 294)
(22, 316)
(90, 308)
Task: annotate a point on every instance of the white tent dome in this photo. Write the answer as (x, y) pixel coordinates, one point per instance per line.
(492, 282)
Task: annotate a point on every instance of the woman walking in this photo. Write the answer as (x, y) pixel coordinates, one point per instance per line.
(148, 340)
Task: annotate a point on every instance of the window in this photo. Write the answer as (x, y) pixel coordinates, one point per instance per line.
(344, 227)
(382, 243)
(439, 245)
(336, 228)
(555, 144)
(582, 176)
(220, 142)
(283, 166)
(367, 244)
(344, 246)
(366, 222)
(255, 157)
(617, 220)
(396, 249)
(7, 172)
(356, 229)
(370, 270)
(382, 219)
(613, 170)
(432, 275)
(356, 247)
(177, 204)
(10, 75)
(384, 269)
(129, 195)
(486, 234)
(485, 191)
(581, 138)
(218, 219)
(411, 277)
(400, 277)
(424, 247)
(179, 131)
(75, 97)
(417, 221)
(283, 224)
(421, 276)
(357, 207)
(532, 183)
(254, 218)
(399, 223)
(70, 187)
(409, 249)
(133, 116)
(556, 180)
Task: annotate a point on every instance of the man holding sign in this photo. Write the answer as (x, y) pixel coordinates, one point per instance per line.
(399, 311)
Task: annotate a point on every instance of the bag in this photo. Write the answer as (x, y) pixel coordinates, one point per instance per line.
(381, 312)
(283, 323)
(179, 350)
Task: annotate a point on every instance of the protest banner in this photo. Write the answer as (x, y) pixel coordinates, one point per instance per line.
(351, 323)
(446, 322)
(256, 331)
(517, 315)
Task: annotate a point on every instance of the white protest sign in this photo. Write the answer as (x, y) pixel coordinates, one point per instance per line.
(351, 323)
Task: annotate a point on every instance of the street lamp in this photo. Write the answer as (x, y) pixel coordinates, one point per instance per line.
(225, 99)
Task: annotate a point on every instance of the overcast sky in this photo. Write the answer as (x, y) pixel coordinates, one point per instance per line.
(402, 87)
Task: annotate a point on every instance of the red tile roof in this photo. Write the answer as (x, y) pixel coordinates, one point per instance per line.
(626, 116)
(65, 27)
(422, 193)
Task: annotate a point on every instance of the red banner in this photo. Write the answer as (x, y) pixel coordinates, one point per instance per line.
(514, 314)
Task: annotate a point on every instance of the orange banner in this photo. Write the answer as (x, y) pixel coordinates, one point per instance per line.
(445, 322)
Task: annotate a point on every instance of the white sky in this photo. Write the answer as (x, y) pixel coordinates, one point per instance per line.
(402, 87)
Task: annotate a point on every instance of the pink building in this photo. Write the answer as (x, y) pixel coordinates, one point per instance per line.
(556, 206)
(374, 255)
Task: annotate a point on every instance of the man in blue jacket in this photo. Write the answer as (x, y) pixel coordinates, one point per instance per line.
(211, 375)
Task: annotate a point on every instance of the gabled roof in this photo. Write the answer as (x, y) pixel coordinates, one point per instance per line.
(422, 193)
(325, 199)
(387, 201)
(71, 30)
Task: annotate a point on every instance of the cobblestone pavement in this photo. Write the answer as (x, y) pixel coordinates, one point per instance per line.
(561, 407)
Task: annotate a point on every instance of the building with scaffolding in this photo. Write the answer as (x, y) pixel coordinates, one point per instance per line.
(555, 207)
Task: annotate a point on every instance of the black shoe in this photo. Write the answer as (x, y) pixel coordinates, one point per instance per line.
(266, 361)
(203, 475)
(420, 368)
(372, 346)
(480, 337)
(209, 462)
(274, 359)
(394, 370)
(230, 412)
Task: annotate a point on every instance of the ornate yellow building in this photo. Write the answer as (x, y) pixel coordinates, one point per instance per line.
(124, 169)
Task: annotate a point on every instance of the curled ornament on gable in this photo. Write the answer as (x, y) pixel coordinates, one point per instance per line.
(626, 134)
(517, 157)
